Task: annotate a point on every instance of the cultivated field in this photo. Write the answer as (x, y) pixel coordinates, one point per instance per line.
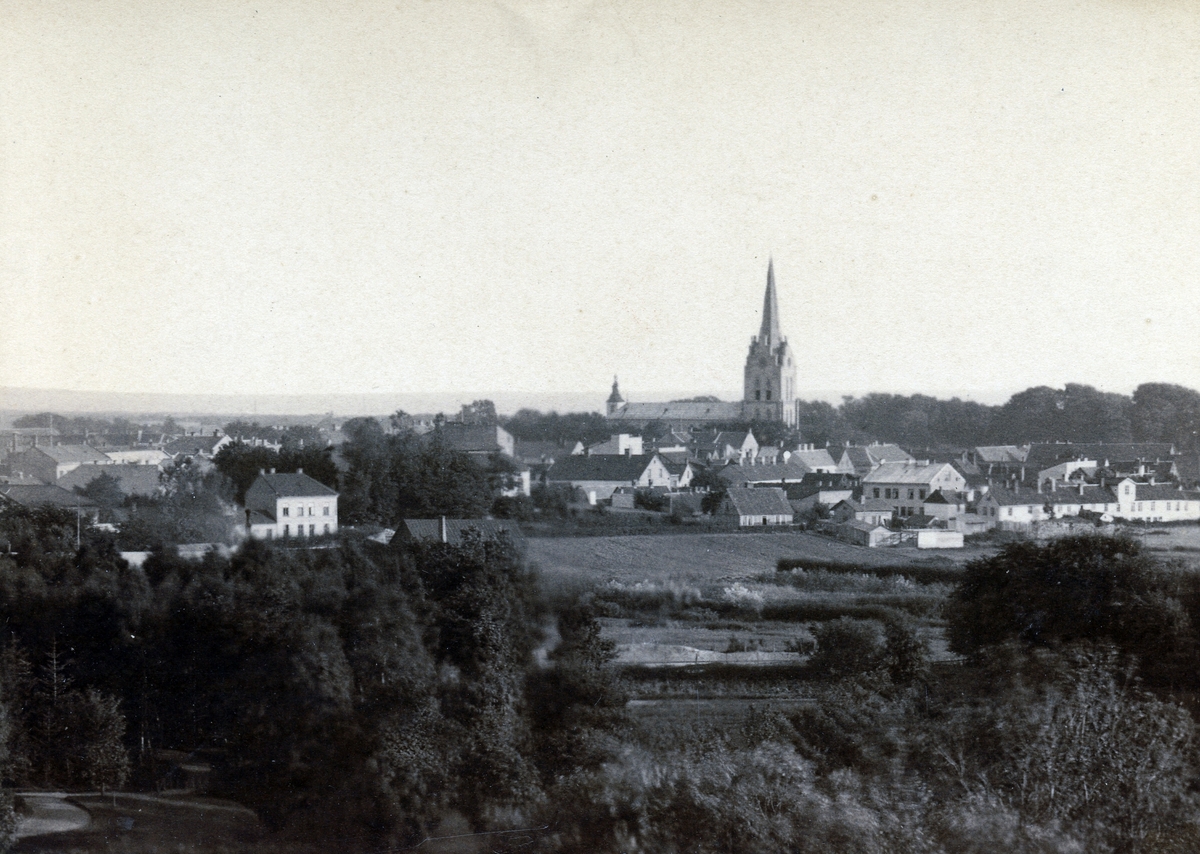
(718, 599)
(709, 558)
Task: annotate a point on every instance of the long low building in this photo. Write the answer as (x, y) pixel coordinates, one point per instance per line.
(1127, 500)
(596, 478)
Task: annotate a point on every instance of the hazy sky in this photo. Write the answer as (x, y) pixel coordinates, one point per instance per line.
(285, 197)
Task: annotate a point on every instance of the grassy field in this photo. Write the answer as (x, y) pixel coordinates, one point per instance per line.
(719, 598)
(702, 559)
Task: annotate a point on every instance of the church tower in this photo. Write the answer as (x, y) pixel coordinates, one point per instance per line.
(770, 376)
(615, 401)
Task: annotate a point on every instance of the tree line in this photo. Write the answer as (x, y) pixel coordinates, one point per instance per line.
(1155, 412)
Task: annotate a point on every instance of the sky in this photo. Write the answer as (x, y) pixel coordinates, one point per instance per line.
(961, 197)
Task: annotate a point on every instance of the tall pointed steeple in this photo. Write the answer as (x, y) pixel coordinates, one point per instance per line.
(769, 334)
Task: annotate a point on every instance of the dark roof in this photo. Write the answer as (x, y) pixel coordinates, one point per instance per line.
(431, 529)
(468, 437)
(193, 445)
(132, 479)
(763, 501)
(815, 483)
(599, 468)
(37, 496)
(678, 411)
(292, 485)
(1159, 493)
(73, 453)
(768, 473)
(1030, 497)
(1044, 455)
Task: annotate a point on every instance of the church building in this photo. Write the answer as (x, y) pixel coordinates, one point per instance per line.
(769, 383)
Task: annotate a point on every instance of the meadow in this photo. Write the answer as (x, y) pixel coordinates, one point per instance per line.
(743, 599)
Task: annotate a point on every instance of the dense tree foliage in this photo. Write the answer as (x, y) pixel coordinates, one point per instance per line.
(533, 426)
(403, 475)
(1082, 589)
(1156, 412)
(345, 693)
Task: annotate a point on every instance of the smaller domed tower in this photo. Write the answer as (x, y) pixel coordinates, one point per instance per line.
(615, 401)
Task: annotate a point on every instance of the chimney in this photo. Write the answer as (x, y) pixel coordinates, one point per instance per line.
(1054, 484)
(1039, 485)
(272, 471)
(263, 471)
(1081, 487)
(299, 471)
(442, 533)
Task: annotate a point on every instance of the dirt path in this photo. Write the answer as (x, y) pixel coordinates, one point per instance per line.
(49, 812)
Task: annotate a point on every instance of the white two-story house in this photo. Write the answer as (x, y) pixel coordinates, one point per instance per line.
(282, 506)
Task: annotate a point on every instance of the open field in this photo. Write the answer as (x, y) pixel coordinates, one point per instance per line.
(718, 599)
(703, 559)
(1176, 542)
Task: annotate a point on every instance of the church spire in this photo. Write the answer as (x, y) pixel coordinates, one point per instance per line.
(769, 334)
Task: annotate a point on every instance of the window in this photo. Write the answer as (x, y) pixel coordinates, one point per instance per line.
(286, 532)
(758, 394)
(911, 495)
(325, 510)
(922, 494)
(311, 511)
(768, 392)
(1009, 511)
(312, 530)
(326, 527)
(285, 511)
(876, 493)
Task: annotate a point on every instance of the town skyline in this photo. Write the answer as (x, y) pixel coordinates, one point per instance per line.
(277, 200)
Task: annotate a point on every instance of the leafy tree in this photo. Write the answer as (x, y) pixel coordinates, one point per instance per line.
(104, 489)
(577, 706)
(566, 429)
(846, 648)
(1161, 412)
(1087, 588)
(480, 412)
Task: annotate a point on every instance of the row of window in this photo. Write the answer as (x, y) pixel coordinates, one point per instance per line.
(312, 530)
(889, 492)
(299, 508)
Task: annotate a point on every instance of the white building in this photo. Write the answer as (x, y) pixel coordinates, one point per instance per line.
(905, 486)
(290, 505)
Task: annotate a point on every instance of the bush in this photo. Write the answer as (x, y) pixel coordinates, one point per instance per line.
(847, 648)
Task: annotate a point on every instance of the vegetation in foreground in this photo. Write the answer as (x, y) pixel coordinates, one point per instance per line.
(355, 697)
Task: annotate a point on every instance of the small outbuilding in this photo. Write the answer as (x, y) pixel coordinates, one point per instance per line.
(757, 507)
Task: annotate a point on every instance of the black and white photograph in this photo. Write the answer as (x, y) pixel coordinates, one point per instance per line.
(614, 427)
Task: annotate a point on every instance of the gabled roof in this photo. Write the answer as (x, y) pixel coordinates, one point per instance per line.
(1159, 493)
(774, 472)
(908, 473)
(1033, 498)
(938, 497)
(764, 501)
(291, 485)
(132, 479)
(599, 468)
(469, 438)
(817, 458)
(38, 496)
(1000, 454)
(431, 530)
(73, 454)
(199, 444)
(885, 452)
